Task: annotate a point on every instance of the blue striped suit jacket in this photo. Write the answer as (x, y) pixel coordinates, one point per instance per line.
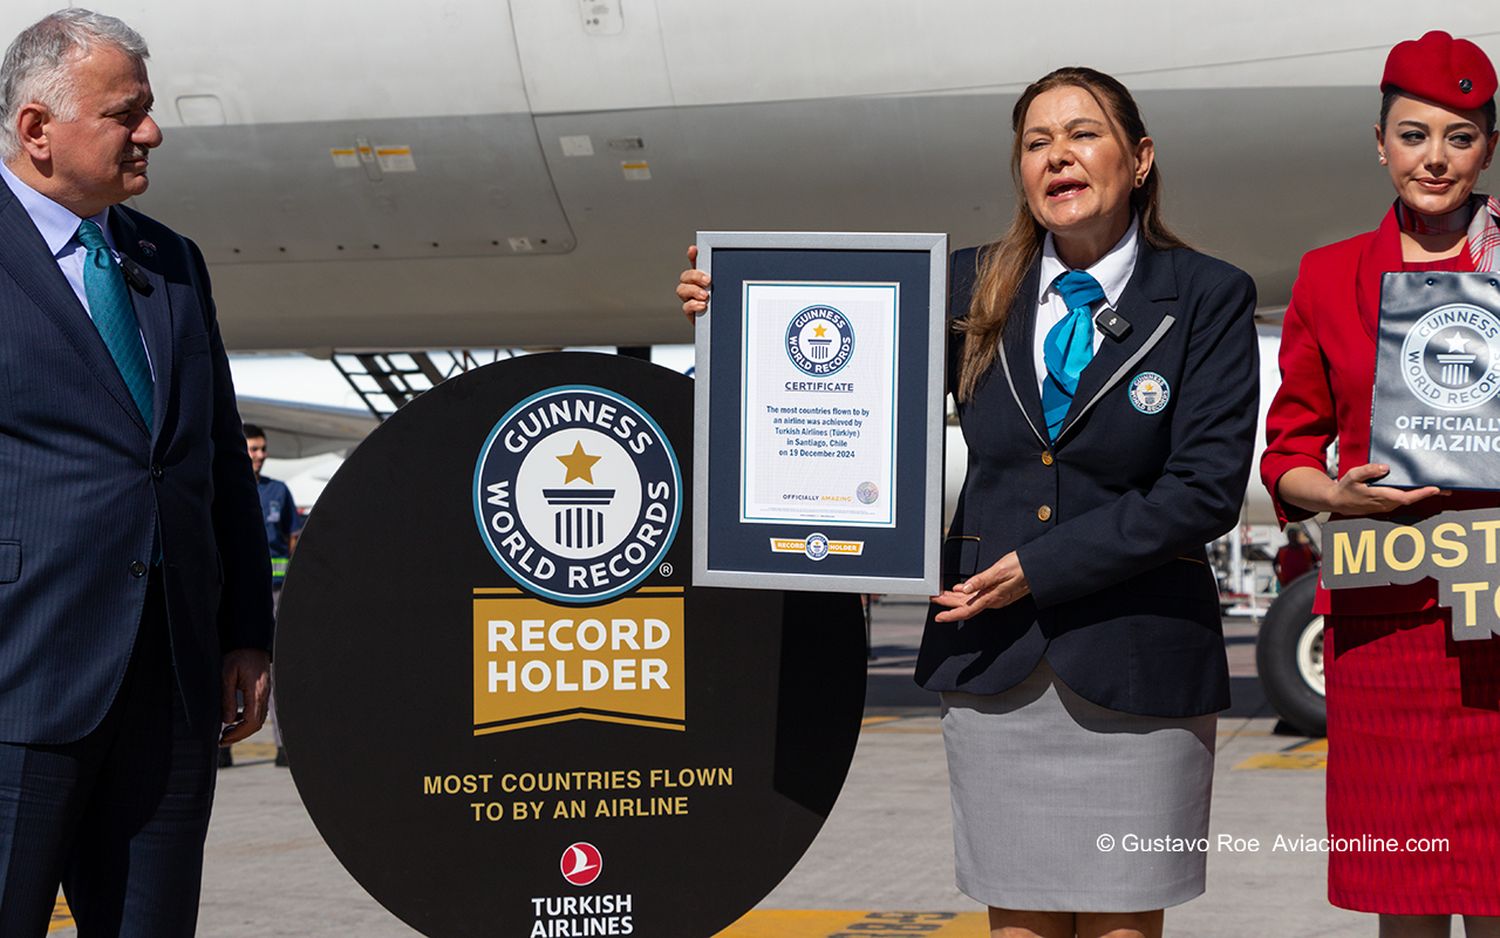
(90, 496)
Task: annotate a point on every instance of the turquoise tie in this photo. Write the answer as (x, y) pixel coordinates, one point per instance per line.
(114, 316)
(1069, 346)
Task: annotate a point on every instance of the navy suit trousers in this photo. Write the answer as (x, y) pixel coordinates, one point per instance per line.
(119, 817)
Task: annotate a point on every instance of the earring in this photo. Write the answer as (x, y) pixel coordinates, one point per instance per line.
(1382, 159)
(1140, 181)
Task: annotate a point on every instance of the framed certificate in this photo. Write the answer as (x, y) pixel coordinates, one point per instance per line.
(819, 411)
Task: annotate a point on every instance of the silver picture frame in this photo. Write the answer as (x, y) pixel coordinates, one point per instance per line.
(902, 556)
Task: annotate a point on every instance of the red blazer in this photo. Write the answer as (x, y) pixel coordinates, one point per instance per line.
(1327, 382)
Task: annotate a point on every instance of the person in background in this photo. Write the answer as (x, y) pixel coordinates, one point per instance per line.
(1413, 716)
(283, 525)
(1078, 647)
(1295, 558)
(135, 601)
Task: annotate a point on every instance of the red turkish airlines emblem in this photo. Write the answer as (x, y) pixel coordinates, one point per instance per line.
(581, 864)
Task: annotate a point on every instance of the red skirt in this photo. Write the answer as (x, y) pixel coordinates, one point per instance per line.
(1413, 758)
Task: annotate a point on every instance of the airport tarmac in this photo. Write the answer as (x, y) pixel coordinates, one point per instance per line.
(883, 865)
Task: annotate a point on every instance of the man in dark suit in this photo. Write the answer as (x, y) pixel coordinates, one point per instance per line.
(135, 608)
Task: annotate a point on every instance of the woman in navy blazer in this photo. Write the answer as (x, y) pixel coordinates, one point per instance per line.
(1079, 651)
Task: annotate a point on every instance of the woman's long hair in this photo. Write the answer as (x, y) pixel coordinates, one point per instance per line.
(1003, 264)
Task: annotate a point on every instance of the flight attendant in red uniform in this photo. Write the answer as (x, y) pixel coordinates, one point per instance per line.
(1413, 716)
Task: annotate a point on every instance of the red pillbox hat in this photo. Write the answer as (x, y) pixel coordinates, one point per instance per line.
(1453, 72)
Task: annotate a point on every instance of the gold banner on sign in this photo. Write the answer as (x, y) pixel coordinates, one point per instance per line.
(798, 545)
(537, 663)
(1458, 549)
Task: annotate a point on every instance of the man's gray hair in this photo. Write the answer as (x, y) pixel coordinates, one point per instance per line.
(38, 66)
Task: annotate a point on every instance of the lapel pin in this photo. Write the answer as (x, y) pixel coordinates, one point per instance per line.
(147, 248)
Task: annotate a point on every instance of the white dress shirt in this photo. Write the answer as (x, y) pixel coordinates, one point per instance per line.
(1113, 271)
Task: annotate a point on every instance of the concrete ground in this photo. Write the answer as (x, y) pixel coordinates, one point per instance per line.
(885, 850)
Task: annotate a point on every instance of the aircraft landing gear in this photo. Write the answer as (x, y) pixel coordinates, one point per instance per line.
(1289, 657)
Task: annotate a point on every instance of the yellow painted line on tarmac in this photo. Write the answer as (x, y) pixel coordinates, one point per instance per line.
(796, 923)
(1309, 755)
(902, 723)
(61, 917)
(835, 923)
(253, 751)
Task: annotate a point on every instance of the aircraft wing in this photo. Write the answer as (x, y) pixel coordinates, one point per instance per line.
(299, 430)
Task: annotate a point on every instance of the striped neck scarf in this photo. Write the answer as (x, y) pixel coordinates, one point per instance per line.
(1478, 218)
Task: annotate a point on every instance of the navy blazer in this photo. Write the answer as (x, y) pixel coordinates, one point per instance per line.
(1110, 520)
(90, 496)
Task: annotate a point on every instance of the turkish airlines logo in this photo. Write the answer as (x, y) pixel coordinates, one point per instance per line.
(581, 864)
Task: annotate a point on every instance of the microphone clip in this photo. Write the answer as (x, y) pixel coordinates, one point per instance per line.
(136, 277)
(1112, 324)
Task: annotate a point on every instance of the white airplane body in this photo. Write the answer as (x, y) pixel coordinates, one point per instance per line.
(381, 175)
(481, 173)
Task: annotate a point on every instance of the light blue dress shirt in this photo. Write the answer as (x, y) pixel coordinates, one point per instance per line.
(59, 227)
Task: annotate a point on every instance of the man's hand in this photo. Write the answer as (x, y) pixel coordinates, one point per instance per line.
(247, 674)
(995, 588)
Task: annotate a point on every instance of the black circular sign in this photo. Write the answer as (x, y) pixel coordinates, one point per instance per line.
(508, 712)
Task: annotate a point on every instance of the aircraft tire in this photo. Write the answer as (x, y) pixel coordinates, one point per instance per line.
(1289, 657)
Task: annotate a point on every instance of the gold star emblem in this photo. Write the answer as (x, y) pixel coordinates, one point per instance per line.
(580, 464)
(819, 331)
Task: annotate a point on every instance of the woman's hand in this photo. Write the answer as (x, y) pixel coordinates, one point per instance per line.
(1351, 496)
(995, 588)
(692, 287)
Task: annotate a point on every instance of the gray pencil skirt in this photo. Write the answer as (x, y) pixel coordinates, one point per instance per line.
(1062, 805)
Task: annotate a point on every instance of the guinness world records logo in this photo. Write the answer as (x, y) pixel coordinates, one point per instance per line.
(577, 494)
(1450, 358)
(819, 341)
(1149, 392)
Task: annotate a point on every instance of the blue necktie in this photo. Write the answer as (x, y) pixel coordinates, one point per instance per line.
(114, 316)
(1069, 346)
